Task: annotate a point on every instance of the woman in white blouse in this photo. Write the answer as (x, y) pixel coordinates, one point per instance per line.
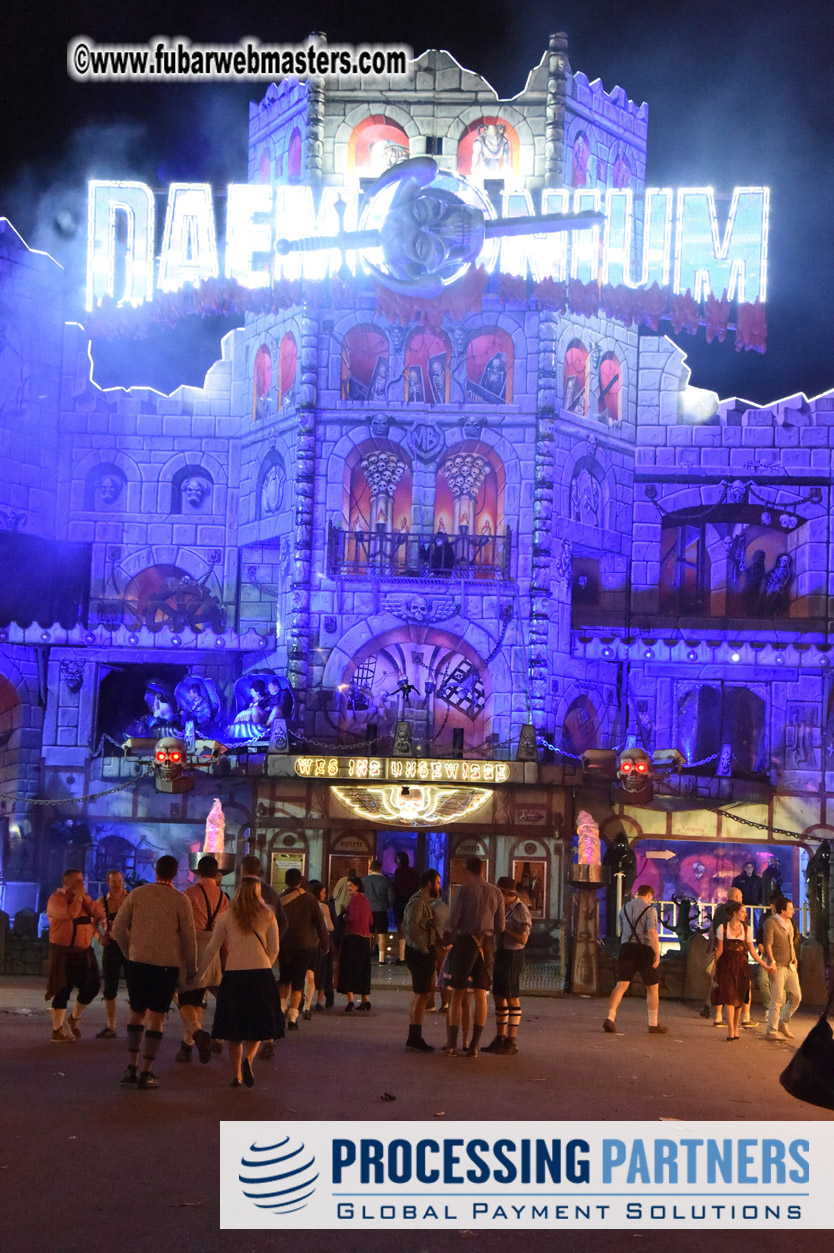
(248, 1008)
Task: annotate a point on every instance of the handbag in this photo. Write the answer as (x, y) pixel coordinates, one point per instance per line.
(809, 1076)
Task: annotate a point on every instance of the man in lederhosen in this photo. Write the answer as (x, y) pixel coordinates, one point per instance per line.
(208, 902)
(639, 954)
(72, 963)
(112, 958)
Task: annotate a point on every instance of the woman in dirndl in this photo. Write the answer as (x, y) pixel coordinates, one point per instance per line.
(731, 983)
(355, 960)
(248, 1008)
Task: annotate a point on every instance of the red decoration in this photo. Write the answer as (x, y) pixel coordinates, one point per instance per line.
(583, 299)
(463, 297)
(685, 314)
(650, 306)
(751, 331)
(512, 289)
(717, 317)
(551, 295)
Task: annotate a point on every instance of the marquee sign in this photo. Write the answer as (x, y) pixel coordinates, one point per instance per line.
(406, 769)
(419, 228)
(421, 806)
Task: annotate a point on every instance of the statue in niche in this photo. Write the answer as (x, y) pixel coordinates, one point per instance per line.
(491, 150)
(378, 389)
(492, 389)
(162, 717)
(585, 499)
(414, 380)
(272, 491)
(194, 490)
(801, 721)
(109, 488)
(200, 702)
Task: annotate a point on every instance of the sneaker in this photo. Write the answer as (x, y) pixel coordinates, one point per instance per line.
(510, 1049)
(307, 1015)
(72, 1025)
(772, 1035)
(183, 1053)
(203, 1041)
(129, 1076)
(60, 1037)
(147, 1079)
(107, 1034)
(785, 1030)
(496, 1046)
(418, 1046)
(658, 1030)
(609, 1026)
(267, 1051)
(292, 1024)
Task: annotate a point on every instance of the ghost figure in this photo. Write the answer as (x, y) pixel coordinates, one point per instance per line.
(428, 235)
(491, 150)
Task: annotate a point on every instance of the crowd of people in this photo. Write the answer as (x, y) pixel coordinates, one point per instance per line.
(732, 948)
(271, 959)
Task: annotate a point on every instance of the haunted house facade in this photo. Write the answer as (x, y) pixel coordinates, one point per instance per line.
(473, 520)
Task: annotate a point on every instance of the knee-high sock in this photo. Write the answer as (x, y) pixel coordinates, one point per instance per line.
(501, 1019)
(135, 1031)
(153, 1039)
(514, 1021)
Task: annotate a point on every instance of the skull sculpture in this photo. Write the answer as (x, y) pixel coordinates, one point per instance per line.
(428, 235)
(634, 769)
(169, 763)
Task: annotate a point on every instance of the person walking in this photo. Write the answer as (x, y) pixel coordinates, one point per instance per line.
(406, 882)
(251, 868)
(248, 1007)
(639, 954)
(305, 933)
(155, 931)
(323, 962)
(73, 916)
(509, 963)
(208, 903)
(780, 951)
(421, 944)
(112, 957)
(476, 917)
(355, 959)
(731, 986)
(719, 917)
(379, 890)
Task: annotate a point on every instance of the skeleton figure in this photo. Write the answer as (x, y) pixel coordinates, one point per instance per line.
(491, 150)
(776, 587)
(428, 235)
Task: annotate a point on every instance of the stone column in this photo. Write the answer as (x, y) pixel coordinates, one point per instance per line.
(558, 73)
(540, 583)
(465, 473)
(299, 641)
(383, 471)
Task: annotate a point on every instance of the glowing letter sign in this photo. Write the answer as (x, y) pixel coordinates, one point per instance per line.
(319, 234)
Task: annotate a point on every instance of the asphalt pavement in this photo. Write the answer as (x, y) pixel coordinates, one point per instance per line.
(86, 1163)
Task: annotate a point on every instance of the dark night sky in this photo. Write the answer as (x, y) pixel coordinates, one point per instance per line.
(738, 94)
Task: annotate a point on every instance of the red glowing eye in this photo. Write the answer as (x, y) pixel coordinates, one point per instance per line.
(626, 767)
(161, 756)
(642, 767)
(175, 757)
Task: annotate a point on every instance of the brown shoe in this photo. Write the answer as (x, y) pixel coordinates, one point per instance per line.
(658, 1030)
(609, 1026)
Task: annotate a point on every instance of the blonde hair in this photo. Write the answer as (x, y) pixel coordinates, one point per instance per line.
(248, 905)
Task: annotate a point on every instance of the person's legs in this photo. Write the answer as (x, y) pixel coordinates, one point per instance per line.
(733, 1020)
(192, 1020)
(480, 1014)
(777, 999)
(400, 943)
(309, 992)
(153, 1039)
(718, 1016)
(653, 1003)
(617, 995)
(793, 994)
(283, 994)
(135, 1034)
(453, 1021)
(382, 944)
(514, 1020)
(235, 1057)
(466, 1017)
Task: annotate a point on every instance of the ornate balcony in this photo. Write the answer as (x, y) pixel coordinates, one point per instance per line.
(419, 554)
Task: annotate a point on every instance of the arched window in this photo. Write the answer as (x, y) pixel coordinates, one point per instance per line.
(364, 367)
(489, 148)
(261, 382)
(427, 358)
(294, 156)
(166, 595)
(264, 171)
(489, 367)
(576, 378)
(725, 728)
(587, 504)
(610, 387)
(684, 569)
(379, 489)
(375, 145)
(469, 492)
(287, 366)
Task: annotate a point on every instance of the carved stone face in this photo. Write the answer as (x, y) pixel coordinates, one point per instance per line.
(110, 488)
(169, 757)
(427, 235)
(194, 491)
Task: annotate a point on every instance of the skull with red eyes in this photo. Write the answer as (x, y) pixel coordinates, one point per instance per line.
(634, 769)
(170, 758)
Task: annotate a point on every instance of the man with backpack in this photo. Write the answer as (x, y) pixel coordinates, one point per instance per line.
(639, 954)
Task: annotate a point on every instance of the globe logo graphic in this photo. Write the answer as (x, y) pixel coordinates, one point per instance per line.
(280, 1177)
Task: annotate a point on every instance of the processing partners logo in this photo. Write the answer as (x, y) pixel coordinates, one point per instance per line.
(280, 1177)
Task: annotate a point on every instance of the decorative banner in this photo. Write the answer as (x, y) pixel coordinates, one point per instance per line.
(496, 1176)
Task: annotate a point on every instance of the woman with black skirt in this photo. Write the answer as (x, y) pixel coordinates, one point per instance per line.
(355, 961)
(248, 1009)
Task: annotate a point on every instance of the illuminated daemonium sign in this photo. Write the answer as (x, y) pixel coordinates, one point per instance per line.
(403, 769)
(290, 232)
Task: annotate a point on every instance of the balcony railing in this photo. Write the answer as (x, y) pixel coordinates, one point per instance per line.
(419, 554)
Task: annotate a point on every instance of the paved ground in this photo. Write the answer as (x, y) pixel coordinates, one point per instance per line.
(79, 1151)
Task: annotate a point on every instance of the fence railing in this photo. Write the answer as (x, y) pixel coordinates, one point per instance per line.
(419, 554)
